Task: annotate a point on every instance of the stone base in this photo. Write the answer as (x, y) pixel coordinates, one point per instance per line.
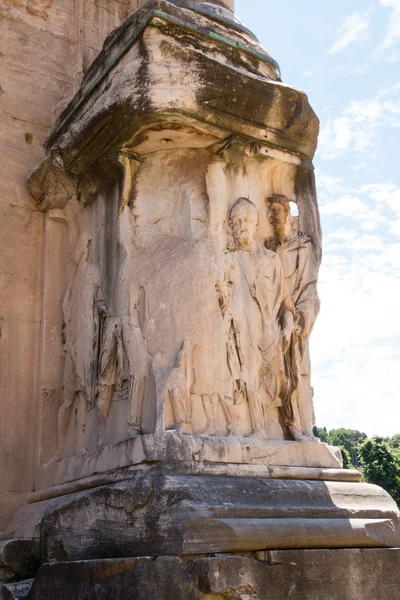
(159, 512)
(278, 575)
(204, 454)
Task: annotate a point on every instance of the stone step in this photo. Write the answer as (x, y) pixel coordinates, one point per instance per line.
(367, 574)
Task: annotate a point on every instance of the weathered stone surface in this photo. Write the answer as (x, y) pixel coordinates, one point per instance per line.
(178, 294)
(15, 591)
(43, 56)
(299, 575)
(158, 513)
(16, 554)
(147, 347)
(203, 451)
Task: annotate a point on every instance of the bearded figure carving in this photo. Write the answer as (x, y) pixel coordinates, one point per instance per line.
(260, 318)
(298, 256)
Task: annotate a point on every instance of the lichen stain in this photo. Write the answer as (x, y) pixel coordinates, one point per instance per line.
(112, 568)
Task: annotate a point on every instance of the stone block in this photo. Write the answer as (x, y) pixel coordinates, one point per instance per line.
(298, 575)
(18, 354)
(158, 512)
(19, 558)
(15, 591)
(205, 454)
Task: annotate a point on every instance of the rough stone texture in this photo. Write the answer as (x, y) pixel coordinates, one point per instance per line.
(147, 346)
(15, 591)
(34, 86)
(298, 575)
(157, 512)
(205, 454)
(165, 304)
(17, 555)
(176, 321)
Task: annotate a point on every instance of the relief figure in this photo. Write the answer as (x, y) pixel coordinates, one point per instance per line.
(178, 389)
(81, 337)
(259, 317)
(113, 364)
(234, 357)
(298, 257)
(134, 330)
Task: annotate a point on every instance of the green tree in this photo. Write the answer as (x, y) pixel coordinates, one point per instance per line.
(347, 464)
(380, 466)
(394, 442)
(394, 445)
(322, 434)
(348, 439)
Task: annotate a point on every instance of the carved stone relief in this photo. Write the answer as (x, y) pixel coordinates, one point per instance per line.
(213, 283)
(300, 265)
(259, 313)
(81, 342)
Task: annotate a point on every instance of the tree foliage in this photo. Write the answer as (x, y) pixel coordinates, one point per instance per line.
(381, 465)
(394, 442)
(347, 464)
(349, 439)
(322, 434)
(377, 457)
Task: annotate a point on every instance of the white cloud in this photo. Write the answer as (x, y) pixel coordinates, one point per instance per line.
(384, 194)
(356, 341)
(308, 73)
(355, 347)
(328, 184)
(345, 206)
(358, 125)
(362, 206)
(354, 29)
(395, 228)
(393, 30)
(357, 391)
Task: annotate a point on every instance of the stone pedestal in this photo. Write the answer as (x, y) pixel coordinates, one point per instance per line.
(161, 511)
(176, 454)
(275, 575)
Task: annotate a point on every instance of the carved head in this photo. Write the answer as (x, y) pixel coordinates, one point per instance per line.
(243, 220)
(279, 214)
(83, 247)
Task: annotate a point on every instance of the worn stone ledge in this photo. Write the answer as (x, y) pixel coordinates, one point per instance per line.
(296, 574)
(157, 512)
(178, 14)
(208, 455)
(219, 470)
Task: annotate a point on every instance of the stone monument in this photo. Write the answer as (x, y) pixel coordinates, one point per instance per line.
(177, 455)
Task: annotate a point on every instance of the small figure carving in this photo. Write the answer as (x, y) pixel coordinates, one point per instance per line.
(235, 360)
(80, 335)
(260, 319)
(210, 404)
(139, 358)
(113, 364)
(298, 257)
(178, 388)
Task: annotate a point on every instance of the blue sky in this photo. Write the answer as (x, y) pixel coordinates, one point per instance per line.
(346, 56)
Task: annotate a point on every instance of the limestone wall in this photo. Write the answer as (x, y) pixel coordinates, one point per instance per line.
(45, 47)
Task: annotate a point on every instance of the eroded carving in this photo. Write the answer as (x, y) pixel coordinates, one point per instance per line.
(114, 369)
(81, 341)
(300, 265)
(139, 357)
(259, 317)
(178, 389)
